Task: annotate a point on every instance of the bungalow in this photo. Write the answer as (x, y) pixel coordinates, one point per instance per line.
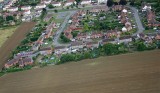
(125, 39)
(77, 45)
(56, 4)
(46, 51)
(85, 2)
(60, 50)
(40, 6)
(69, 2)
(12, 9)
(26, 7)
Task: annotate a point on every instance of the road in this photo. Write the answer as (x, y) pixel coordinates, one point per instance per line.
(61, 29)
(138, 21)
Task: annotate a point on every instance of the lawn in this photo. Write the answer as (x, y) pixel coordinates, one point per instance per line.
(6, 33)
(149, 31)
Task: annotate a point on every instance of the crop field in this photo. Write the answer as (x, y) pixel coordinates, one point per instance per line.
(5, 34)
(14, 40)
(128, 73)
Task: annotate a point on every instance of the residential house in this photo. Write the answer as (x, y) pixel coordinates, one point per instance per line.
(96, 35)
(117, 8)
(157, 36)
(92, 45)
(107, 40)
(56, 4)
(48, 17)
(49, 29)
(85, 2)
(102, 1)
(26, 7)
(97, 9)
(146, 6)
(128, 26)
(60, 50)
(111, 34)
(125, 39)
(27, 12)
(11, 62)
(12, 9)
(46, 51)
(40, 6)
(25, 61)
(82, 36)
(77, 45)
(69, 3)
(46, 2)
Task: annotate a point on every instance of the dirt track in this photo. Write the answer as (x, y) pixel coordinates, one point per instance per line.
(14, 41)
(131, 73)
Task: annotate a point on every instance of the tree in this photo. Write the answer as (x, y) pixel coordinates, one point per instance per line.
(9, 18)
(110, 3)
(1, 20)
(50, 6)
(141, 46)
(123, 2)
(55, 10)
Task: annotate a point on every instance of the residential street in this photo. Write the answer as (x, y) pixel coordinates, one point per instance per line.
(138, 21)
(61, 29)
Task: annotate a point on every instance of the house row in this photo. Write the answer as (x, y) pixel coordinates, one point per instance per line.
(80, 45)
(74, 47)
(20, 61)
(97, 9)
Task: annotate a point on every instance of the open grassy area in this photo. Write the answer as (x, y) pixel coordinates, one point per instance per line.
(128, 73)
(149, 31)
(6, 33)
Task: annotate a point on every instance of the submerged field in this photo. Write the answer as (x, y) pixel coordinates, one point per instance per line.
(129, 73)
(13, 41)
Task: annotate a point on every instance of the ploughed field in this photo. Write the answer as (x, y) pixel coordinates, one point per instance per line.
(128, 73)
(14, 40)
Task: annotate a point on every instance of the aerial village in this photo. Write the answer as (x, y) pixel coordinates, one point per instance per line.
(86, 29)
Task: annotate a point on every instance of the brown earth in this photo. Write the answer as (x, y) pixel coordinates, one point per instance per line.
(129, 73)
(14, 41)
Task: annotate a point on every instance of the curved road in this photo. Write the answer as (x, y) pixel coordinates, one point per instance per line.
(61, 29)
(138, 21)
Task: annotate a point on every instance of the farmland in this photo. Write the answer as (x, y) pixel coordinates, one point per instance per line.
(128, 73)
(6, 33)
(14, 40)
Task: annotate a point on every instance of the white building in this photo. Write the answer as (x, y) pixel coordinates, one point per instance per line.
(70, 2)
(27, 12)
(85, 2)
(40, 6)
(26, 7)
(102, 1)
(46, 1)
(12, 9)
(56, 4)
